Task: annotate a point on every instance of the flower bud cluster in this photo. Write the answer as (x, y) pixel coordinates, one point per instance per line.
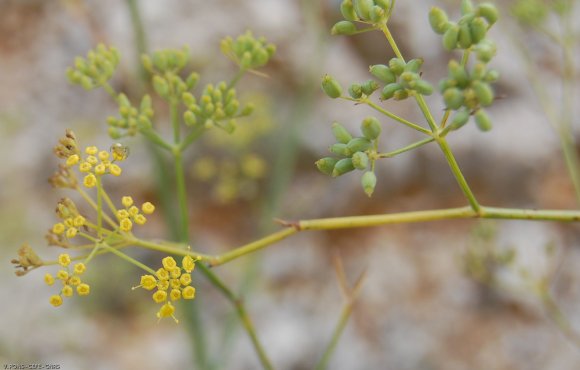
(354, 153)
(373, 12)
(168, 60)
(130, 214)
(131, 119)
(96, 69)
(247, 51)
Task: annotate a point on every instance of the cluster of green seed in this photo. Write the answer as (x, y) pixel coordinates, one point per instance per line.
(165, 66)
(94, 70)
(217, 106)
(131, 119)
(366, 11)
(247, 51)
(354, 153)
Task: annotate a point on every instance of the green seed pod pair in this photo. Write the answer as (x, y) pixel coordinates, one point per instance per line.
(488, 11)
(370, 128)
(458, 73)
(369, 182)
(478, 28)
(340, 133)
(408, 79)
(326, 165)
(360, 160)
(397, 66)
(482, 120)
(466, 7)
(363, 8)
(453, 98)
(343, 28)
(331, 87)
(161, 86)
(464, 37)
(484, 93)
(459, 119)
(341, 149)
(423, 87)
(342, 166)
(347, 11)
(377, 14)
(355, 91)
(359, 144)
(383, 73)
(189, 118)
(389, 91)
(485, 50)
(438, 20)
(369, 87)
(414, 65)
(401, 94)
(451, 36)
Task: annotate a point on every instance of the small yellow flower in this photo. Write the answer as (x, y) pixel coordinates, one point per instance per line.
(188, 292)
(127, 201)
(67, 291)
(58, 228)
(72, 160)
(175, 294)
(91, 150)
(140, 219)
(62, 275)
(115, 170)
(133, 211)
(64, 260)
(79, 268)
(185, 279)
(160, 296)
(90, 181)
(169, 263)
(147, 208)
(69, 222)
(125, 224)
(79, 221)
(175, 272)
(167, 310)
(56, 300)
(85, 167)
(71, 233)
(103, 155)
(163, 284)
(92, 160)
(100, 169)
(83, 289)
(162, 274)
(188, 263)
(122, 213)
(148, 282)
(48, 279)
(175, 283)
(74, 280)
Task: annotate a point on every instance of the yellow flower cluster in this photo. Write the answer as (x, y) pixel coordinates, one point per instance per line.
(171, 281)
(70, 280)
(95, 163)
(69, 227)
(131, 214)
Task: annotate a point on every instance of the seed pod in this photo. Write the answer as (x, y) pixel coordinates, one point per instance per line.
(369, 87)
(482, 120)
(368, 182)
(326, 165)
(438, 20)
(397, 66)
(464, 36)
(458, 73)
(408, 79)
(377, 14)
(488, 11)
(483, 92)
(491, 76)
(355, 91)
(370, 128)
(189, 118)
(363, 8)
(161, 86)
(331, 87)
(347, 11)
(342, 166)
(414, 65)
(470, 99)
(478, 29)
(343, 28)
(479, 71)
(385, 4)
(360, 160)
(450, 37)
(340, 149)
(466, 7)
(453, 98)
(389, 90)
(446, 83)
(359, 144)
(459, 119)
(340, 133)
(401, 95)
(423, 87)
(486, 50)
(383, 73)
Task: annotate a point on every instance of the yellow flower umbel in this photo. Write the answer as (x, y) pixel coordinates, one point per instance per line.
(172, 283)
(131, 214)
(71, 280)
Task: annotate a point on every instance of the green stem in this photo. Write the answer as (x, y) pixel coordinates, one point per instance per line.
(174, 111)
(181, 196)
(154, 138)
(342, 321)
(191, 137)
(127, 258)
(107, 87)
(93, 205)
(406, 149)
(412, 125)
(99, 207)
(139, 34)
(239, 74)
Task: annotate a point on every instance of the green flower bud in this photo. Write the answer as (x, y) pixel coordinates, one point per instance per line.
(340, 133)
(397, 66)
(478, 29)
(114, 133)
(347, 11)
(458, 73)
(466, 7)
(459, 119)
(446, 83)
(87, 83)
(160, 60)
(377, 14)
(491, 76)
(326, 165)
(340, 149)
(359, 144)
(414, 65)
(488, 11)
(423, 87)
(385, 4)
(450, 37)
(485, 50)
(438, 20)
(360, 160)
(342, 166)
(464, 36)
(161, 86)
(232, 108)
(368, 182)
(331, 87)
(483, 92)
(401, 95)
(230, 126)
(389, 90)
(189, 118)
(248, 109)
(209, 123)
(369, 87)
(343, 28)
(363, 8)
(453, 98)
(188, 99)
(383, 73)
(370, 128)
(470, 99)
(482, 120)
(479, 71)
(408, 79)
(192, 80)
(355, 91)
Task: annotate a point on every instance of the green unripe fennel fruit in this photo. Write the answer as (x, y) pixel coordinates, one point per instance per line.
(331, 87)
(347, 11)
(478, 29)
(453, 98)
(340, 133)
(368, 182)
(326, 165)
(450, 37)
(466, 7)
(383, 73)
(359, 144)
(341, 149)
(370, 128)
(389, 90)
(423, 87)
(458, 73)
(369, 87)
(355, 91)
(488, 11)
(363, 8)
(438, 20)
(377, 14)
(360, 160)
(342, 166)
(483, 92)
(414, 65)
(482, 120)
(459, 119)
(397, 66)
(464, 37)
(343, 28)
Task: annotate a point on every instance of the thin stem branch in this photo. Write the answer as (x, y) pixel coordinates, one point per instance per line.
(407, 148)
(181, 196)
(127, 258)
(412, 125)
(93, 205)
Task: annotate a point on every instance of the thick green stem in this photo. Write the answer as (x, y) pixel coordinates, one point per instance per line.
(181, 196)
